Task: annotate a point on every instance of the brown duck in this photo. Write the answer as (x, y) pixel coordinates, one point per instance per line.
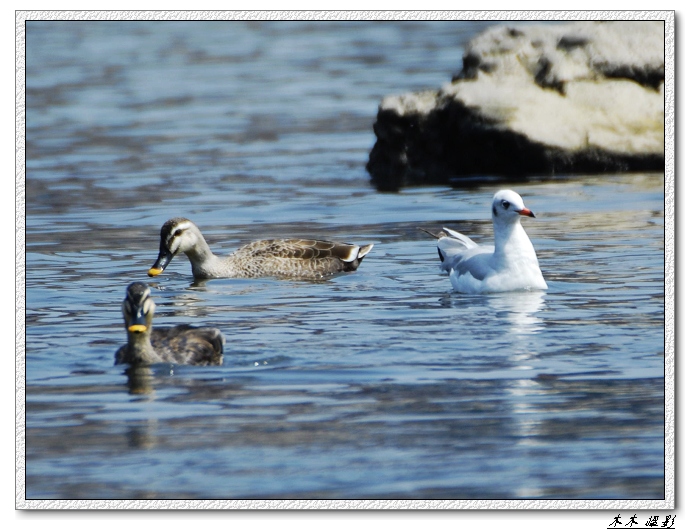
(282, 258)
(182, 344)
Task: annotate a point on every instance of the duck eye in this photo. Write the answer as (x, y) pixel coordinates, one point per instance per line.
(177, 232)
(505, 204)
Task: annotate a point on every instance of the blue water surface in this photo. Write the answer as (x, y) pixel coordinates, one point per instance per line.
(380, 384)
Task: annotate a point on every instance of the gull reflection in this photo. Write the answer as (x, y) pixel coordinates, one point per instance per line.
(520, 310)
(518, 316)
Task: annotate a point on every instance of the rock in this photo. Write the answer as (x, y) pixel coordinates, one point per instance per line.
(542, 100)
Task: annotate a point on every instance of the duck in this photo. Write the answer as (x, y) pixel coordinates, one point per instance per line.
(183, 344)
(281, 258)
(511, 264)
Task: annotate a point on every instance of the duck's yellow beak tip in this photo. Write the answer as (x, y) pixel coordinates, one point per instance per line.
(137, 328)
(154, 272)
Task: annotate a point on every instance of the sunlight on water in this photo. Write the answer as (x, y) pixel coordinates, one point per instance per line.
(378, 384)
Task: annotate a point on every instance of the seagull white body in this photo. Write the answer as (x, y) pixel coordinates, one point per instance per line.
(510, 265)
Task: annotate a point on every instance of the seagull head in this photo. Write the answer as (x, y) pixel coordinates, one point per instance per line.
(507, 207)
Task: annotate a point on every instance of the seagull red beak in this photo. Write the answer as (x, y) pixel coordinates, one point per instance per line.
(526, 212)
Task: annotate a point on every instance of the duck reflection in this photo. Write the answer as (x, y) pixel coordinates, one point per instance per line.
(140, 379)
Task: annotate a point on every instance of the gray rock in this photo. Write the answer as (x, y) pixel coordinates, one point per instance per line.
(531, 101)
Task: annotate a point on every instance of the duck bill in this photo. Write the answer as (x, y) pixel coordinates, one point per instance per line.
(164, 257)
(526, 212)
(138, 324)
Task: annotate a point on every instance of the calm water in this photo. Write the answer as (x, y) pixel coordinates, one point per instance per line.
(378, 384)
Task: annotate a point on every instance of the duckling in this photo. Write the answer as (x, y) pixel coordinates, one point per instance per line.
(282, 258)
(180, 344)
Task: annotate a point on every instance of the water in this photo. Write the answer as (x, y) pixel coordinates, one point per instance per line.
(378, 384)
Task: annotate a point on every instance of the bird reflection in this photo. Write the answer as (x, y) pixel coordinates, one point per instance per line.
(520, 310)
(139, 379)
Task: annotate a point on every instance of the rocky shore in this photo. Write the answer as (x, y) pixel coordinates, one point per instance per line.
(532, 101)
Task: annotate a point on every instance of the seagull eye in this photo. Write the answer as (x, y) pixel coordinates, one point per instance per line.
(505, 204)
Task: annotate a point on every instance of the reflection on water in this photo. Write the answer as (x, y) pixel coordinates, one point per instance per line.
(520, 311)
(139, 380)
(378, 384)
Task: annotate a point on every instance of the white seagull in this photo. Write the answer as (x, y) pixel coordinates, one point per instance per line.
(510, 265)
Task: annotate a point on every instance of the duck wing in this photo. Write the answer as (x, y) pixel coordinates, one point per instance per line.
(301, 257)
(187, 344)
(309, 249)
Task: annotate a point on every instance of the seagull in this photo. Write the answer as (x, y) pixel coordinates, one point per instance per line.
(510, 265)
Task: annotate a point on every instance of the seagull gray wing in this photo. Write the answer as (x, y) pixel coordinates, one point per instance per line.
(476, 261)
